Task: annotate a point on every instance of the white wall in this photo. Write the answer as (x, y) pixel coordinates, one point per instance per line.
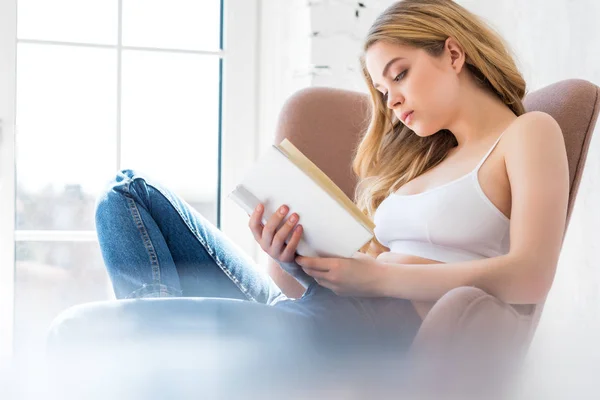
(551, 40)
(337, 39)
(284, 58)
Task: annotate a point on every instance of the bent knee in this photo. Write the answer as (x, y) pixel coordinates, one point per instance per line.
(113, 194)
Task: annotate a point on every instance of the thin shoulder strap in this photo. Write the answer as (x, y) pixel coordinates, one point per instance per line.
(488, 153)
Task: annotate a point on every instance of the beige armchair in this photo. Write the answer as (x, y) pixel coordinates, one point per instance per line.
(467, 327)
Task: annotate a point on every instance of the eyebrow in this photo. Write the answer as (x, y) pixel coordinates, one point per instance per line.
(387, 66)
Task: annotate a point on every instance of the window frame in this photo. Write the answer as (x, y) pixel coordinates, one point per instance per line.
(238, 139)
(8, 49)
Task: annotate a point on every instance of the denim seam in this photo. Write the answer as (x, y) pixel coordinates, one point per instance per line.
(144, 234)
(208, 249)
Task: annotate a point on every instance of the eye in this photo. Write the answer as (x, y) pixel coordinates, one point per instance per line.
(400, 75)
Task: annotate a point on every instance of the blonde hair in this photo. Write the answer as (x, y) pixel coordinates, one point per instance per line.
(391, 154)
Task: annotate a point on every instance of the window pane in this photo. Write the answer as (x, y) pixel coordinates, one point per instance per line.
(176, 24)
(170, 122)
(50, 277)
(66, 124)
(82, 21)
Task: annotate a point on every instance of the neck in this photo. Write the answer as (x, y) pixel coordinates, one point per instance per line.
(480, 115)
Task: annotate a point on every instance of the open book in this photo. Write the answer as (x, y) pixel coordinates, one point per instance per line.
(333, 226)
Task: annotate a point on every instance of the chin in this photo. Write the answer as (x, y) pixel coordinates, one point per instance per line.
(422, 132)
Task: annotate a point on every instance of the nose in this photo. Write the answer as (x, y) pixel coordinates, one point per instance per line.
(394, 99)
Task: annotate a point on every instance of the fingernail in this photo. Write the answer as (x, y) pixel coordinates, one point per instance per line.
(259, 207)
(283, 210)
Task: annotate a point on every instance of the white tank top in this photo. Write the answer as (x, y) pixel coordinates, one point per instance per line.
(449, 223)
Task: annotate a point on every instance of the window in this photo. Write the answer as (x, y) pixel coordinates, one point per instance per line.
(98, 86)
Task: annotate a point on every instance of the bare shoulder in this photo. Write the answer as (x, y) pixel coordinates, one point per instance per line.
(534, 125)
(535, 149)
(534, 132)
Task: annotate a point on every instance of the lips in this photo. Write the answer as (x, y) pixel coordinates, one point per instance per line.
(404, 115)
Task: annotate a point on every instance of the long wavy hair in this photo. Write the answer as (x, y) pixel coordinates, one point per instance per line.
(390, 154)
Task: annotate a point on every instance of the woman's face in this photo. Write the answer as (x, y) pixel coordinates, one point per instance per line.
(413, 81)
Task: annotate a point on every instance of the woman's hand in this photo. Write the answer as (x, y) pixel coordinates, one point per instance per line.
(359, 276)
(271, 238)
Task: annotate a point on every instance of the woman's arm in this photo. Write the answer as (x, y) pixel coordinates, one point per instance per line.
(508, 278)
(537, 167)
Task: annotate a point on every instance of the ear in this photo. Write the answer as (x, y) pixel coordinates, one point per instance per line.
(456, 53)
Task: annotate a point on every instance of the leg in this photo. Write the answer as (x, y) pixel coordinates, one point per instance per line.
(361, 340)
(376, 320)
(154, 244)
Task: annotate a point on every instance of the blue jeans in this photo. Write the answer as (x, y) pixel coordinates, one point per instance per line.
(155, 245)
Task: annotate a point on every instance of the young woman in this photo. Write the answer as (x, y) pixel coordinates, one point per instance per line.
(465, 188)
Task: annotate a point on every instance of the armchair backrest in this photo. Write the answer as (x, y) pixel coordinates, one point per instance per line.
(326, 125)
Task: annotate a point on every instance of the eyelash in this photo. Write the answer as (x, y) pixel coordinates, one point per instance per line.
(403, 73)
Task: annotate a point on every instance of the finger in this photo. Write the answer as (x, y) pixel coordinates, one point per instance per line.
(292, 245)
(325, 283)
(255, 223)
(270, 227)
(317, 263)
(315, 273)
(256, 218)
(283, 233)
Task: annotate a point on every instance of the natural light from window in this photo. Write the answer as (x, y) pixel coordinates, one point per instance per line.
(101, 89)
